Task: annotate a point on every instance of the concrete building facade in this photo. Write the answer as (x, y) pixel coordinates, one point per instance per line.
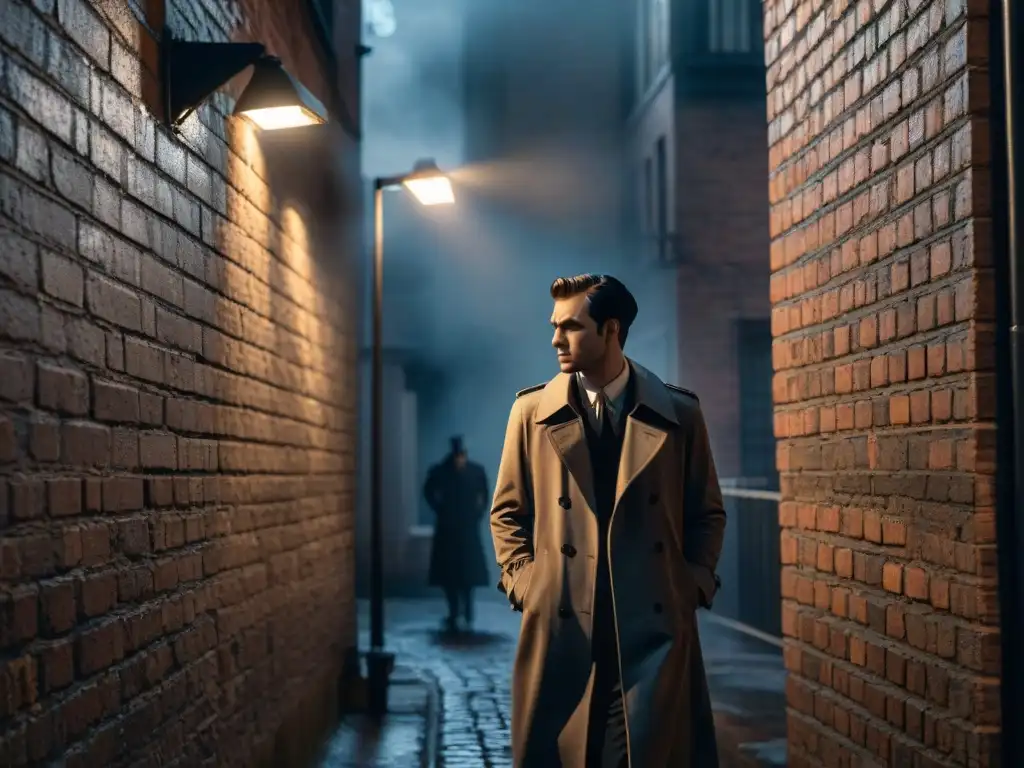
(176, 436)
(698, 219)
(696, 132)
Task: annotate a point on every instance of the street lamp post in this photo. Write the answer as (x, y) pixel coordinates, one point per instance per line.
(429, 186)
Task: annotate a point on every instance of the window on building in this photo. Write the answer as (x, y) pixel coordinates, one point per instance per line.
(633, 207)
(662, 171)
(643, 46)
(648, 197)
(732, 25)
(661, 194)
(627, 53)
(659, 35)
(652, 41)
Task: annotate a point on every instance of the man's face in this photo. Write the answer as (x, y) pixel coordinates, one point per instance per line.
(579, 345)
(460, 460)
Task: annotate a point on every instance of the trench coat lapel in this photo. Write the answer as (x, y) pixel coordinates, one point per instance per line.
(565, 431)
(647, 428)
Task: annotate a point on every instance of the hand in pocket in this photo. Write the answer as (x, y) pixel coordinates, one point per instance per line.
(521, 584)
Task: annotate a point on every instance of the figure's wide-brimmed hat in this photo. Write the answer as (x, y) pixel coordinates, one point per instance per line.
(457, 446)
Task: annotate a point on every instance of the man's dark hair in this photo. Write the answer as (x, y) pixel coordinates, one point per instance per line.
(608, 299)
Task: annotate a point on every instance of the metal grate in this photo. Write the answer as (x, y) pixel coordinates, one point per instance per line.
(757, 434)
(750, 565)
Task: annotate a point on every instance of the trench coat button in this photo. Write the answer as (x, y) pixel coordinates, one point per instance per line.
(569, 550)
(565, 502)
(659, 547)
(657, 607)
(564, 612)
(653, 498)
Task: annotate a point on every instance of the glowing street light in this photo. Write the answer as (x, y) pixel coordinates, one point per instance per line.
(430, 186)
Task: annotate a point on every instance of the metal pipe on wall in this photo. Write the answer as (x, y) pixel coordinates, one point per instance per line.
(1007, 123)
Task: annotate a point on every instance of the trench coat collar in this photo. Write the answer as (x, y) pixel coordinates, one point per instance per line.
(650, 392)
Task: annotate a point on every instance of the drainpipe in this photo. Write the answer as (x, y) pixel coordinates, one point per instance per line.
(1006, 18)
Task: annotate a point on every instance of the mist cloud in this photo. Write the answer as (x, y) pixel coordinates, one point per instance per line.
(466, 286)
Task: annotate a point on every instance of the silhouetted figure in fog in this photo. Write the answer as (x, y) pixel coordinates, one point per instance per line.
(456, 489)
(607, 524)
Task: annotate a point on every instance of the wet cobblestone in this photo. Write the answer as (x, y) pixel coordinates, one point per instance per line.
(473, 673)
(401, 741)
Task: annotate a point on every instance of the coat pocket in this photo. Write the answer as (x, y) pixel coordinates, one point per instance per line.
(521, 578)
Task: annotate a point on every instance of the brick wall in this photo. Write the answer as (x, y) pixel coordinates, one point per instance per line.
(176, 443)
(722, 219)
(883, 309)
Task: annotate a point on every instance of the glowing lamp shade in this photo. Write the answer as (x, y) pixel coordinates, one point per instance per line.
(276, 118)
(274, 100)
(429, 185)
(435, 191)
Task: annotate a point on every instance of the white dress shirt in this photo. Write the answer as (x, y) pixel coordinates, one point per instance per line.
(614, 393)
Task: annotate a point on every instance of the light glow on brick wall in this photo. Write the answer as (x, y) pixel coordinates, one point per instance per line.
(176, 440)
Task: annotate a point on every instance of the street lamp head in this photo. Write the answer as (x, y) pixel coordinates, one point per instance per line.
(429, 184)
(273, 99)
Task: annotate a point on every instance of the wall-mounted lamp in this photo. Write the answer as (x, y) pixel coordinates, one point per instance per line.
(273, 99)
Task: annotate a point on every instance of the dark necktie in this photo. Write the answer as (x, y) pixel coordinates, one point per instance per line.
(604, 419)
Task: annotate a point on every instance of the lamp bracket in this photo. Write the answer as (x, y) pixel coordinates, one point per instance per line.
(190, 71)
(389, 182)
(424, 166)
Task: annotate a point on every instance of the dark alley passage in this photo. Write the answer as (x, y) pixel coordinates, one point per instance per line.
(642, 310)
(471, 674)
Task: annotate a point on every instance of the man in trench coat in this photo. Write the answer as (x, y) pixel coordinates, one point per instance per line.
(456, 490)
(607, 522)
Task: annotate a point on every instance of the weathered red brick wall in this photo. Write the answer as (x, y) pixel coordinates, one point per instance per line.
(883, 303)
(176, 433)
(722, 214)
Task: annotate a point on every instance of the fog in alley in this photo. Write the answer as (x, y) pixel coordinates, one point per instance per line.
(529, 122)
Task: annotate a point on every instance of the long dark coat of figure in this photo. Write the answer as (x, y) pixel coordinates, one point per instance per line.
(459, 500)
(664, 541)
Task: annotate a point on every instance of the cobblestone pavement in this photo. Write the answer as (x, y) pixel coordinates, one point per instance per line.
(408, 736)
(746, 678)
